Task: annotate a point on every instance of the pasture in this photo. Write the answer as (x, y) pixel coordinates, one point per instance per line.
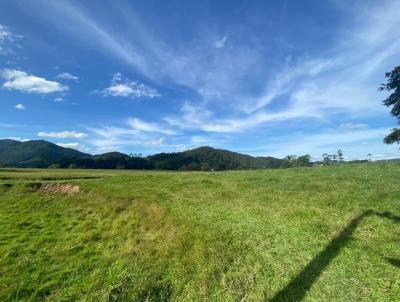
(307, 234)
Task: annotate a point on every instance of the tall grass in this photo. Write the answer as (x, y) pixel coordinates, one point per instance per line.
(228, 236)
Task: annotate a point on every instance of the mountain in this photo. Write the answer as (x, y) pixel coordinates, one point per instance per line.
(112, 156)
(42, 154)
(207, 158)
(34, 154)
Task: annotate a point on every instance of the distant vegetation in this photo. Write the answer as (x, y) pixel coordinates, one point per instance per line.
(43, 154)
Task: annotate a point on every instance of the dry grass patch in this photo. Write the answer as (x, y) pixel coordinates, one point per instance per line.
(59, 188)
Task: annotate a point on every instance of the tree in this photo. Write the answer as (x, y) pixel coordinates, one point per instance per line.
(326, 159)
(303, 161)
(340, 155)
(393, 84)
(289, 161)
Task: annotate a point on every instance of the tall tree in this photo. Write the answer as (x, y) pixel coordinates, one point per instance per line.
(393, 84)
(340, 155)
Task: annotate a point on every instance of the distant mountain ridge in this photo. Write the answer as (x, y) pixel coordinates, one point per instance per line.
(34, 154)
(42, 154)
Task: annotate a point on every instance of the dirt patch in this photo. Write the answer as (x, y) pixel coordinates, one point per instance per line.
(60, 188)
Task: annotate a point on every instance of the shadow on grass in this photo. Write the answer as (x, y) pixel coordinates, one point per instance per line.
(301, 284)
(394, 262)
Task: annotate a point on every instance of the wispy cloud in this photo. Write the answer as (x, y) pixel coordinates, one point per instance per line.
(22, 81)
(67, 76)
(8, 40)
(134, 133)
(220, 43)
(132, 89)
(143, 126)
(83, 25)
(344, 83)
(199, 118)
(355, 143)
(5, 33)
(62, 134)
(239, 84)
(353, 126)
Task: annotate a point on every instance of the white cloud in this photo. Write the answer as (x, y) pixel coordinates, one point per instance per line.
(57, 100)
(20, 80)
(67, 76)
(62, 134)
(353, 126)
(76, 146)
(20, 107)
(221, 42)
(132, 89)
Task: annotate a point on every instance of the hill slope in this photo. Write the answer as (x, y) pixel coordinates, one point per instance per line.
(207, 158)
(37, 153)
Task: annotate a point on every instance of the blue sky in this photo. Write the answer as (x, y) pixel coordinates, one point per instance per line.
(258, 77)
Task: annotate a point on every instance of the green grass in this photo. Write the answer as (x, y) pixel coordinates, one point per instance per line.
(280, 235)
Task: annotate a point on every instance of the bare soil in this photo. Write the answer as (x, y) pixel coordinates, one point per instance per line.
(59, 188)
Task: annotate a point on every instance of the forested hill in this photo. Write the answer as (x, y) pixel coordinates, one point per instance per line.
(43, 154)
(34, 154)
(207, 158)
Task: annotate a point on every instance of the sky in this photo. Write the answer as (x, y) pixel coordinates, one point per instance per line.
(266, 78)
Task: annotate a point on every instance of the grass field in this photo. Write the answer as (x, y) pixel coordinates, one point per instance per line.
(319, 234)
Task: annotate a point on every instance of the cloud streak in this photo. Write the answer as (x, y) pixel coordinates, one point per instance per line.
(62, 134)
(67, 76)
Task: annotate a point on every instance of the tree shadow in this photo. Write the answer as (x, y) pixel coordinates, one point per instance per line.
(388, 215)
(298, 287)
(394, 261)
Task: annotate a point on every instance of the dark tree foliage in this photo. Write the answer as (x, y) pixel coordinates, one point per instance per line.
(393, 137)
(393, 84)
(340, 155)
(291, 161)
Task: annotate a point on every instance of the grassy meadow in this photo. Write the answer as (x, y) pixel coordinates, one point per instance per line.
(312, 234)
